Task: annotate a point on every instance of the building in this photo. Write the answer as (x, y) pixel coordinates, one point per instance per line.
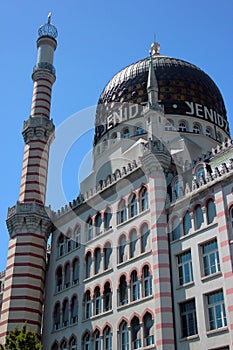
(142, 258)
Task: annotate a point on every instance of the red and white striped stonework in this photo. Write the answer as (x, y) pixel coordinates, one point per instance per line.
(164, 327)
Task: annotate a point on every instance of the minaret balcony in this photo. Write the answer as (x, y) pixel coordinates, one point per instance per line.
(46, 66)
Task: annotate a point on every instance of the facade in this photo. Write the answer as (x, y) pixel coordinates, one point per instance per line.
(142, 258)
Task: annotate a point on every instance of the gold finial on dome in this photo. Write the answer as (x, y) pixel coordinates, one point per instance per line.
(154, 48)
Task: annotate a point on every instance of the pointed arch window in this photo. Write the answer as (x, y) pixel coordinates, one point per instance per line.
(135, 333)
(187, 223)
(145, 238)
(148, 330)
(107, 338)
(122, 254)
(107, 256)
(97, 258)
(59, 279)
(97, 301)
(124, 336)
(97, 340)
(146, 281)
(61, 245)
(57, 316)
(73, 344)
(87, 342)
(123, 291)
(107, 219)
(107, 297)
(134, 286)
(67, 276)
(211, 211)
(75, 275)
(69, 242)
(133, 206)
(143, 198)
(65, 313)
(89, 229)
(55, 346)
(133, 240)
(98, 223)
(199, 218)
(74, 310)
(64, 345)
(122, 212)
(77, 237)
(88, 265)
(87, 305)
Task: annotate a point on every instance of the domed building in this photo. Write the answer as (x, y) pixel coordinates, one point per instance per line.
(143, 257)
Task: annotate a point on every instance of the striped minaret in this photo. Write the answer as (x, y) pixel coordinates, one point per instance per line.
(28, 222)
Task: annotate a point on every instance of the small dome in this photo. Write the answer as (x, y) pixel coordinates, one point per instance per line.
(179, 82)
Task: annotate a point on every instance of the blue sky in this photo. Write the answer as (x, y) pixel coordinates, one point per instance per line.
(96, 39)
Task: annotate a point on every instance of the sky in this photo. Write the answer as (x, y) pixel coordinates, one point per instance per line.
(96, 39)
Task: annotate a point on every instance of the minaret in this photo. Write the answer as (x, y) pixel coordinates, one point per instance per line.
(28, 221)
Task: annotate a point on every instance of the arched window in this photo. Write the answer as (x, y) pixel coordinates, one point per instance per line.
(97, 301)
(200, 173)
(134, 286)
(107, 297)
(74, 310)
(123, 291)
(133, 206)
(97, 340)
(107, 338)
(107, 219)
(143, 199)
(87, 305)
(133, 239)
(187, 223)
(54, 346)
(219, 137)
(124, 336)
(122, 255)
(61, 245)
(209, 132)
(146, 281)
(113, 135)
(89, 229)
(211, 211)
(198, 216)
(88, 265)
(73, 344)
(65, 313)
(87, 342)
(77, 237)
(69, 242)
(59, 279)
(145, 242)
(178, 187)
(75, 274)
(196, 129)
(231, 216)
(57, 316)
(107, 255)
(122, 212)
(148, 330)
(98, 223)
(63, 345)
(125, 133)
(182, 127)
(169, 126)
(135, 333)
(176, 231)
(67, 276)
(139, 130)
(97, 258)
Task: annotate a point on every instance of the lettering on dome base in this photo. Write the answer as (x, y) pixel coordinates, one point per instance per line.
(209, 114)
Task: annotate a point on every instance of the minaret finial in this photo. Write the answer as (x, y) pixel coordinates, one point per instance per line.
(49, 17)
(48, 29)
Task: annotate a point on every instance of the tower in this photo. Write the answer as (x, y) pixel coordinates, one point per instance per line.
(28, 221)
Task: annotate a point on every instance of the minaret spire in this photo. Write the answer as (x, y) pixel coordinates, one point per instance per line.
(152, 85)
(28, 222)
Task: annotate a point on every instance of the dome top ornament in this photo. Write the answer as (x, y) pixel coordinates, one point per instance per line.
(48, 29)
(154, 49)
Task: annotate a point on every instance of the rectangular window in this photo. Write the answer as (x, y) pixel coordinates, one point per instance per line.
(210, 255)
(216, 310)
(185, 268)
(188, 318)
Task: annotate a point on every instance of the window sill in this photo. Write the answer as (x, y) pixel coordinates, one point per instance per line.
(132, 218)
(190, 338)
(100, 234)
(186, 285)
(132, 303)
(212, 276)
(100, 315)
(214, 332)
(195, 232)
(128, 261)
(97, 275)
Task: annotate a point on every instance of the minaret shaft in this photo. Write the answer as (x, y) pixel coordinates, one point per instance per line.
(28, 222)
